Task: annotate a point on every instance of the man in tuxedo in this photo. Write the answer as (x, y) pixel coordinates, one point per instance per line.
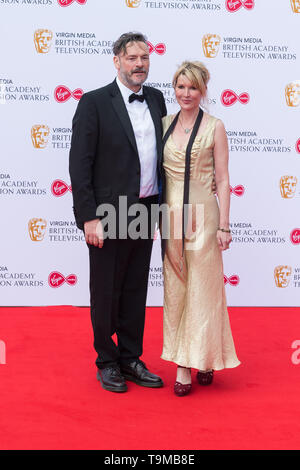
(116, 151)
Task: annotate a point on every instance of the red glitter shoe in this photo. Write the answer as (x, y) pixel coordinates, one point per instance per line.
(205, 378)
(181, 390)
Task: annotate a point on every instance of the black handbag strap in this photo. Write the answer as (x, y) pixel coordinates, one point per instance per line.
(186, 187)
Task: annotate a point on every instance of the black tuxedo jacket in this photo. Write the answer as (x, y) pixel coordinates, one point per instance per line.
(104, 162)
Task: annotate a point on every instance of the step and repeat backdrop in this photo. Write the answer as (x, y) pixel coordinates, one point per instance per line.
(52, 51)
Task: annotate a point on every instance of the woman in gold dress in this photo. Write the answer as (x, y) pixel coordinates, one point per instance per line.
(197, 331)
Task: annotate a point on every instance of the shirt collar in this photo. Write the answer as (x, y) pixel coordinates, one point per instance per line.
(126, 92)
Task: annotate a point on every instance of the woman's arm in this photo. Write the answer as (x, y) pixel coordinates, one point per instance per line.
(221, 155)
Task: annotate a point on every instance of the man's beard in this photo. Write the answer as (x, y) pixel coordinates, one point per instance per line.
(132, 81)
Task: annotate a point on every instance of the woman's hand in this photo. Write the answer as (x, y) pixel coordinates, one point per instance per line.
(224, 240)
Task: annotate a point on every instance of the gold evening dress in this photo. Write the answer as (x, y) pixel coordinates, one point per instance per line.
(197, 331)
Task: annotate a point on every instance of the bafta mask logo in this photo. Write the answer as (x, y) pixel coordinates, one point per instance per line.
(39, 136)
(210, 44)
(292, 94)
(37, 229)
(287, 186)
(133, 3)
(295, 6)
(42, 40)
(282, 275)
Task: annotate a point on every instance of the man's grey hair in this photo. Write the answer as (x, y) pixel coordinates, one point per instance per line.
(126, 38)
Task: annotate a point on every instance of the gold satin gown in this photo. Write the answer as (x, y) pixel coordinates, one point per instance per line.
(197, 331)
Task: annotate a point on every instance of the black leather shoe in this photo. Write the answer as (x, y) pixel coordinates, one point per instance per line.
(136, 371)
(111, 379)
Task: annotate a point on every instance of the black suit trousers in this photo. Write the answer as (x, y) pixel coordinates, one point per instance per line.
(118, 289)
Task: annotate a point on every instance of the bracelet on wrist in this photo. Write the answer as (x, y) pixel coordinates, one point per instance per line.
(224, 230)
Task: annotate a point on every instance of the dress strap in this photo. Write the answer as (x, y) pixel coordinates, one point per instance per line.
(170, 130)
(186, 187)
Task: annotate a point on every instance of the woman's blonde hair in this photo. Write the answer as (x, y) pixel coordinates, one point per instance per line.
(196, 73)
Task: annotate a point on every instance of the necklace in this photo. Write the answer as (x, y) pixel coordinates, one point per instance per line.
(187, 130)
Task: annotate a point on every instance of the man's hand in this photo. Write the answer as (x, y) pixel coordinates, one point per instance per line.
(93, 232)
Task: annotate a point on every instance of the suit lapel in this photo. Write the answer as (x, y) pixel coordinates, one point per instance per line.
(121, 111)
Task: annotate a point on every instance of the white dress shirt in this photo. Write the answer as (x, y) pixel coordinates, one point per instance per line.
(144, 132)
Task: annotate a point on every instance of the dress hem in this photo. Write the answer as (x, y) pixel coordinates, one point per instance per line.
(202, 368)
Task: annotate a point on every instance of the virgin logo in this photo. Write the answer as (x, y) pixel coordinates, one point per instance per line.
(63, 94)
(59, 188)
(298, 146)
(56, 279)
(229, 97)
(235, 5)
(66, 3)
(237, 190)
(160, 48)
(295, 236)
(156, 235)
(233, 280)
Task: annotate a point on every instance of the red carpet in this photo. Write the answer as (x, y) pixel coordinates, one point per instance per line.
(50, 398)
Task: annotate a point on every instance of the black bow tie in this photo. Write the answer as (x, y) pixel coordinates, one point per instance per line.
(134, 96)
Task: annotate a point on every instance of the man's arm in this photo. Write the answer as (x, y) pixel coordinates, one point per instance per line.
(163, 106)
(82, 155)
